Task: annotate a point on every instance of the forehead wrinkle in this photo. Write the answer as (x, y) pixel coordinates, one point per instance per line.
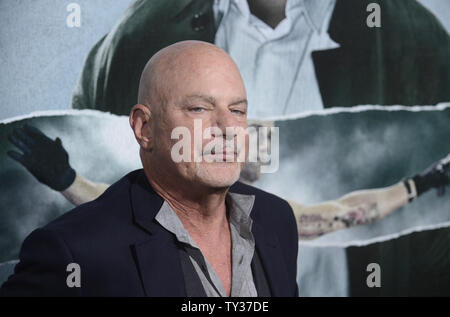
(239, 101)
(203, 97)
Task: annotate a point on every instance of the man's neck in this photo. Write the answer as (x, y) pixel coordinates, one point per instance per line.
(201, 210)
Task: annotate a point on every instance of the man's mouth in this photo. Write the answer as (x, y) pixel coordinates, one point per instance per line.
(228, 155)
(224, 152)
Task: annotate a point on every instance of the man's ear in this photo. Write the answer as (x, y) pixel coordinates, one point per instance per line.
(140, 117)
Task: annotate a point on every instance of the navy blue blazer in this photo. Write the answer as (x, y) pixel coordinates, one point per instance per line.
(123, 251)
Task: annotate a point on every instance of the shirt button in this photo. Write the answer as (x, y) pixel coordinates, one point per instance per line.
(199, 22)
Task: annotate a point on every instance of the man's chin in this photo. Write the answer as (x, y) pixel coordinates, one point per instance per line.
(218, 175)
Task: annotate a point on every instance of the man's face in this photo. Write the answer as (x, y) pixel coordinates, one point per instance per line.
(252, 169)
(213, 95)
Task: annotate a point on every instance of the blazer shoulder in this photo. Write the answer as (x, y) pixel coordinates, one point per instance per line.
(41, 271)
(109, 205)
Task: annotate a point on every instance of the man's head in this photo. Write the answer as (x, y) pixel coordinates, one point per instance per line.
(189, 81)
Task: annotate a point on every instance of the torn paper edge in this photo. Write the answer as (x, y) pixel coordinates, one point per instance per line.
(48, 113)
(10, 262)
(355, 109)
(362, 108)
(360, 243)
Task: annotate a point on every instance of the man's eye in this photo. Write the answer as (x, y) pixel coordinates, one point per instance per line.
(236, 111)
(196, 109)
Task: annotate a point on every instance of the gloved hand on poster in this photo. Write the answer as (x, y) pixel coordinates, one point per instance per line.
(435, 176)
(45, 158)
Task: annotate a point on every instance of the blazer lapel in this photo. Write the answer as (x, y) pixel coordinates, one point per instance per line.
(158, 258)
(272, 260)
(158, 262)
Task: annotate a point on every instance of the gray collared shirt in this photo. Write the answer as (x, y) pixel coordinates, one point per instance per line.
(243, 247)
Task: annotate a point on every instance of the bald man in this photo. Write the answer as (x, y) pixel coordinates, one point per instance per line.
(173, 228)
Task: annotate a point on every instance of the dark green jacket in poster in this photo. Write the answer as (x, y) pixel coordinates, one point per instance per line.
(405, 61)
(416, 264)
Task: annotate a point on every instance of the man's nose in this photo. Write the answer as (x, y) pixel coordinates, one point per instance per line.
(224, 119)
